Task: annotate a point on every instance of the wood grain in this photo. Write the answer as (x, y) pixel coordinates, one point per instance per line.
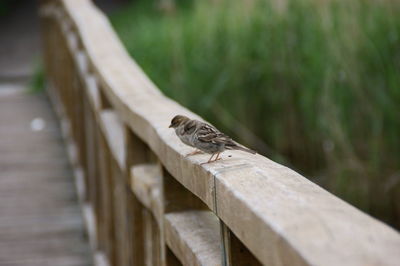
(40, 220)
(277, 214)
(194, 237)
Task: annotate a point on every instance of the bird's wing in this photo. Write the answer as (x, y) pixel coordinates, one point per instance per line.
(190, 127)
(208, 133)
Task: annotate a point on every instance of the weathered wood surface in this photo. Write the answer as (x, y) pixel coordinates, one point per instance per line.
(40, 220)
(146, 184)
(194, 237)
(269, 213)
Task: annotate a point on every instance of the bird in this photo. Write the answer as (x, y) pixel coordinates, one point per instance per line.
(181, 124)
(204, 137)
(178, 123)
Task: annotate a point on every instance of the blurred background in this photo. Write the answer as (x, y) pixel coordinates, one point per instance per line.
(311, 84)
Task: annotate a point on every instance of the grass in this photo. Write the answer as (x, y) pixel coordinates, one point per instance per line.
(313, 84)
(37, 80)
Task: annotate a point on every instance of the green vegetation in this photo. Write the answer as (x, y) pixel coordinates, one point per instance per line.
(37, 81)
(313, 84)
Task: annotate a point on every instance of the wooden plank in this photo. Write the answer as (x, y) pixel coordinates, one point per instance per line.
(82, 63)
(177, 197)
(120, 218)
(40, 220)
(113, 132)
(233, 251)
(279, 215)
(91, 173)
(153, 247)
(146, 184)
(193, 236)
(72, 260)
(137, 152)
(92, 91)
(104, 201)
(138, 231)
(171, 259)
(133, 89)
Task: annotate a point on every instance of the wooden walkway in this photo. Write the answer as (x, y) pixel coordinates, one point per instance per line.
(40, 220)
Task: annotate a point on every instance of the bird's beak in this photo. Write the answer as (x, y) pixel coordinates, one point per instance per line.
(170, 126)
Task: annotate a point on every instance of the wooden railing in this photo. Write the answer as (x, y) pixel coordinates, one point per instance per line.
(146, 204)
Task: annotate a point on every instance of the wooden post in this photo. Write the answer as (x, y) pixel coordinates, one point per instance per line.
(106, 210)
(119, 201)
(136, 153)
(177, 197)
(172, 260)
(234, 253)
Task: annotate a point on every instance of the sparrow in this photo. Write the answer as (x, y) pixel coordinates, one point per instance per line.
(179, 123)
(204, 137)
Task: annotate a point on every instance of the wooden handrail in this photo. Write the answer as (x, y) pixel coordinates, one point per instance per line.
(116, 121)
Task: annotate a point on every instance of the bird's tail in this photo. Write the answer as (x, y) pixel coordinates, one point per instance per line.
(237, 147)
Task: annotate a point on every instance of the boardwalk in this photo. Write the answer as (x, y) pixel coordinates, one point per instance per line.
(40, 220)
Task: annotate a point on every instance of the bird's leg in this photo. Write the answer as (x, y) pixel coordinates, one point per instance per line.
(209, 160)
(197, 151)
